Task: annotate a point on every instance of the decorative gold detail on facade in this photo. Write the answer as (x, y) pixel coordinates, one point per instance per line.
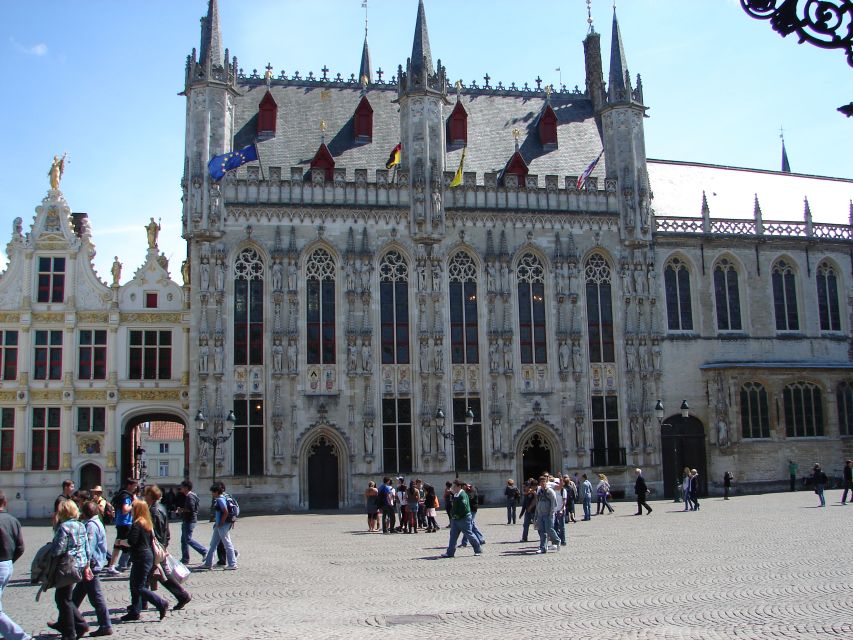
(20, 461)
(48, 316)
(7, 396)
(111, 460)
(91, 394)
(66, 461)
(89, 445)
(11, 318)
(93, 317)
(162, 395)
(150, 318)
(46, 395)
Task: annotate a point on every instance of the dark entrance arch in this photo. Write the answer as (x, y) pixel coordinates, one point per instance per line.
(322, 475)
(90, 476)
(535, 458)
(132, 461)
(683, 445)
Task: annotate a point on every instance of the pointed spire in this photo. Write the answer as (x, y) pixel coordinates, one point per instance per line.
(365, 70)
(786, 166)
(421, 54)
(620, 83)
(706, 210)
(211, 37)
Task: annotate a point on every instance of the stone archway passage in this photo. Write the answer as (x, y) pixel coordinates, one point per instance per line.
(323, 475)
(683, 445)
(535, 457)
(90, 476)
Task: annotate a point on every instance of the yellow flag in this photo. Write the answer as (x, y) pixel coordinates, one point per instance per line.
(457, 178)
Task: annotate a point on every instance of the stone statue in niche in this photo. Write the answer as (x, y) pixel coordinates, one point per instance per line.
(722, 433)
(218, 356)
(494, 356)
(647, 429)
(635, 431)
(640, 280)
(291, 355)
(436, 276)
(203, 355)
(426, 435)
(504, 277)
(644, 355)
(350, 276)
(292, 275)
(627, 282)
(424, 356)
(437, 356)
(366, 356)
(278, 442)
(656, 358)
(507, 352)
(278, 356)
(419, 200)
(630, 355)
(368, 437)
(497, 439)
(491, 277)
(652, 283)
(576, 357)
(436, 208)
(204, 271)
(220, 274)
(365, 274)
(352, 356)
(422, 278)
(565, 356)
(277, 275)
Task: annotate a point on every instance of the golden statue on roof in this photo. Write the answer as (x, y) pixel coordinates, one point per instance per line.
(57, 168)
(153, 229)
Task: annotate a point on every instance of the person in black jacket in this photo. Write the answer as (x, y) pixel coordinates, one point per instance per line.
(160, 520)
(140, 540)
(11, 548)
(848, 481)
(694, 489)
(819, 480)
(641, 490)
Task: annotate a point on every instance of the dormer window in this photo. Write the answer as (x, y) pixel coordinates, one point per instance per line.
(363, 121)
(516, 167)
(457, 126)
(323, 160)
(267, 115)
(548, 128)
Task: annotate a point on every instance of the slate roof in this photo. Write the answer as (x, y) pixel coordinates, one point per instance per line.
(492, 116)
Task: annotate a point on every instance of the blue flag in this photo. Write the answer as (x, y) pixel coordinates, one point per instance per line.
(220, 165)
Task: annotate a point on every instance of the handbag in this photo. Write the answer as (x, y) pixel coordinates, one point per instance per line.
(67, 572)
(160, 553)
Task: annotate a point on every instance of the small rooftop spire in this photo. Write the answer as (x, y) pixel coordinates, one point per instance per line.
(786, 166)
(211, 36)
(620, 84)
(421, 54)
(365, 70)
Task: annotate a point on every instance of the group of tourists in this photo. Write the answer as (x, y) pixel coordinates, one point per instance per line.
(402, 508)
(78, 557)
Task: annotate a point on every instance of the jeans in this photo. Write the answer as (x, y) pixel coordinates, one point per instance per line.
(560, 527)
(388, 515)
(223, 533)
(848, 486)
(8, 627)
(187, 541)
(688, 506)
(92, 589)
(70, 619)
(545, 524)
(463, 526)
(818, 489)
(528, 519)
(475, 531)
(587, 508)
(138, 583)
(510, 513)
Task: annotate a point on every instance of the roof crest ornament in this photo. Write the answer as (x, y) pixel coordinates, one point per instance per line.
(589, 16)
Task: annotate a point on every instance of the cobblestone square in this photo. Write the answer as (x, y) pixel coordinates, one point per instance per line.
(764, 566)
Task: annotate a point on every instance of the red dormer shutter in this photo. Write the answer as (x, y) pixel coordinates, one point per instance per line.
(518, 167)
(548, 128)
(267, 115)
(364, 121)
(323, 160)
(457, 126)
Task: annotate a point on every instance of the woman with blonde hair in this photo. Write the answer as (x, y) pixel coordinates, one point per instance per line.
(602, 491)
(140, 540)
(685, 489)
(70, 539)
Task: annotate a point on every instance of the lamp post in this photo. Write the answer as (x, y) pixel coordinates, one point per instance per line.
(685, 413)
(440, 420)
(216, 438)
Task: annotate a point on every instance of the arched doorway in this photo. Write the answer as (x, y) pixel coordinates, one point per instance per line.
(135, 454)
(683, 445)
(535, 457)
(90, 476)
(323, 474)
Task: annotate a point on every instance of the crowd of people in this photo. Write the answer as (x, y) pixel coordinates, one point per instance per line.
(74, 563)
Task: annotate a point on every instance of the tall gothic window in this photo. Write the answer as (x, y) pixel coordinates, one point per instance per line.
(754, 412)
(599, 310)
(320, 308)
(606, 451)
(844, 401)
(397, 435)
(827, 298)
(248, 308)
(803, 410)
(727, 296)
(679, 313)
(7, 438)
(394, 308)
(249, 437)
(45, 439)
(467, 439)
(531, 310)
(464, 344)
(785, 297)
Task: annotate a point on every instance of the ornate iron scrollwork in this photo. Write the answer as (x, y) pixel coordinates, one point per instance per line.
(827, 24)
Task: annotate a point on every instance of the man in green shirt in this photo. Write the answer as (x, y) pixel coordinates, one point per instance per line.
(460, 521)
(792, 471)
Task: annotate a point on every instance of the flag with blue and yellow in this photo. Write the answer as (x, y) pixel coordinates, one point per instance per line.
(220, 165)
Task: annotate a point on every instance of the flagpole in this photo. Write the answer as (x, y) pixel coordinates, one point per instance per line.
(258, 153)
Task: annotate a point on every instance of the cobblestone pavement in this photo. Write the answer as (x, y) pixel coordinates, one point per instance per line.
(770, 566)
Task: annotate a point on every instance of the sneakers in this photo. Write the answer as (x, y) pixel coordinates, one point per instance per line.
(234, 568)
(540, 551)
(553, 547)
(478, 553)
(444, 555)
(110, 571)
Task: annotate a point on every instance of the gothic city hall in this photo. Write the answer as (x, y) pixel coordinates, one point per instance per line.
(400, 274)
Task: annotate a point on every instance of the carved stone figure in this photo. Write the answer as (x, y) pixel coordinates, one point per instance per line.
(364, 281)
(352, 357)
(422, 286)
(639, 280)
(494, 356)
(218, 356)
(116, 271)
(491, 277)
(722, 433)
(630, 355)
(277, 275)
(152, 229)
(202, 450)
(366, 356)
(278, 356)
(576, 357)
(656, 358)
(507, 351)
(203, 355)
(635, 432)
(504, 277)
(57, 168)
(368, 437)
(278, 442)
(497, 440)
(291, 355)
(437, 357)
(565, 356)
(647, 429)
(220, 274)
(426, 435)
(652, 283)
(17, 227)
(292, 275)
(185, 272)
(424, 356)
(627, 282)
(436, 276)
(204, 273)
(644, 356)
(350, 276)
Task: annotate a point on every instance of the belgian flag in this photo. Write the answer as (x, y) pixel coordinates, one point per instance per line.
(394, 158)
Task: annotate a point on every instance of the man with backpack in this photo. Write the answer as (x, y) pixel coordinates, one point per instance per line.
(11, 548)
(123, 504)
(225, 512)
(189, 519)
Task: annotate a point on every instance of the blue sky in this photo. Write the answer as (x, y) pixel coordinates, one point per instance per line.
(99, 79)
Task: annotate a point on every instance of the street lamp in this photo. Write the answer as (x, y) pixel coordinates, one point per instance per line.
(216, 438)
(439, 421)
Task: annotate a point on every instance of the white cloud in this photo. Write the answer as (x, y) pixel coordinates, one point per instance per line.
(39, 49)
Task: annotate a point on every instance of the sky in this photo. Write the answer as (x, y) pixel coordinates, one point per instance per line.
(100, 79)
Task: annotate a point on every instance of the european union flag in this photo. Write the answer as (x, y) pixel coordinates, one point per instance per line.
(220, 165)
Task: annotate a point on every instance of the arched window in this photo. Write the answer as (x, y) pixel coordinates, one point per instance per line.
(531, 310)
(679, 312)
(754, 413)
(394, 308)
(248, 308)
(803, 410)
(599, 309)
(464, 340)
(785, 297)
(320, 308)
(844, 401)
(827, 298)
(727, 296)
